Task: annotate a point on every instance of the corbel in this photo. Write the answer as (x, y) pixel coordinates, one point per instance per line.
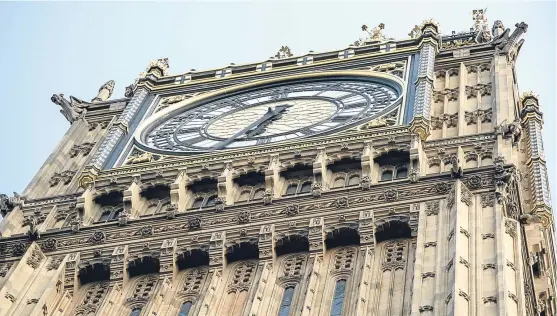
(85, 206)
(367, 160)
(366, 228)
(132, 198)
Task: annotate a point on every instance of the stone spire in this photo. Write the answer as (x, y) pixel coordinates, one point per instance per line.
(105, 92)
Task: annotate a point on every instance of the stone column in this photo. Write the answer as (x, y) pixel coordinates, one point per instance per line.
(118, 267)
(272, 176)
(317, 248)
(367, 165)
(168, 258)
(429, 47)
(178, 191)
(225, 186)
(320, 171)
(132, 198)
(367, 250)
(85, 206)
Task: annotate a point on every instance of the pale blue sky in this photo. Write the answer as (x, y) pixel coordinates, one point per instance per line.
(73, 48)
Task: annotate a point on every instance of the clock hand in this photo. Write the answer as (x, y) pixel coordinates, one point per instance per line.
(270, 115)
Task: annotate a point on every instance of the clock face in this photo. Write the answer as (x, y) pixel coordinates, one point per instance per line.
(271, 114)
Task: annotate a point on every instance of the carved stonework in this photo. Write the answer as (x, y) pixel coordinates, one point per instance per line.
(242, 277)
(510, 227)
(34, 260)
(432, 208)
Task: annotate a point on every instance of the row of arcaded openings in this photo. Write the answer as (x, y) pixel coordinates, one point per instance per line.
(346, 173)
(295, 243)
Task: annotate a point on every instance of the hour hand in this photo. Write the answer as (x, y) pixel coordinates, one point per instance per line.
(272, 115)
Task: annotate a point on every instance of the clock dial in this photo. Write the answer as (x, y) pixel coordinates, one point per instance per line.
(271, 114)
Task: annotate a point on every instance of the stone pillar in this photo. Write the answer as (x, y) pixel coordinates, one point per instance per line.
(225, 186)
(132, 198)
(367, 164)
(85, 206)
(118, 267)
(168, 257)
(317, 248)
(429, 47)
(462, 98)
(320, 170)
(178, 191)
(266, 243)
(367, 250)
(216, 249)
(272, 176)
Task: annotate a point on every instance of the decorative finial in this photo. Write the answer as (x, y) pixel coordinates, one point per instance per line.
(105, 92)
(284, 52)
(374, 35)
(158, 67)
(481, 27)
(416, 32)
(528, 94)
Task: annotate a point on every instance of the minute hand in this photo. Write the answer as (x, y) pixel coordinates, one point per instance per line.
(268, 116)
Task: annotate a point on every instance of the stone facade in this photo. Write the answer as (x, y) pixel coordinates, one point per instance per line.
(438, 204)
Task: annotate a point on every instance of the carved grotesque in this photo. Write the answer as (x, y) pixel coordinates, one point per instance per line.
(456, 169)
(498, 29)
(123, 218)
(104, 92)
(513, 131)
(316, 189)
(219, 204)
(75, 223)
(171, 212)
(268, 197)
(365, 183)
(194, 222)
(376, 33)
(7, 204)
(502, 178)
(32, 231)
(414, 175)
(129, 91)
(139, 158)
(73, 110)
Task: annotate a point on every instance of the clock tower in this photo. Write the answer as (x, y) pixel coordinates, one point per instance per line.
(389, 177)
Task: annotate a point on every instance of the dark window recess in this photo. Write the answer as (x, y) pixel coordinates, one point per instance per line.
(113, 198)
(192, 258)
(306, 187)
(136, 311)
(242, 251)
(343, 236)
(393, 158)
(298, 172)
(401, 173)
(93, 273)
(157, 192)
(291, 244)
(392, 230)
(292, 188)
(212, 200)
(143, 265)
(346, 165)
(387, 175)
(250, 179)
(536, 269)
(198, 203)
(203, 185)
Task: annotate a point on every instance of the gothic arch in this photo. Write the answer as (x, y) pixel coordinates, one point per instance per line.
(342, 235)
(192, 258)
(291, 243)
(392, 229)
(243, 250)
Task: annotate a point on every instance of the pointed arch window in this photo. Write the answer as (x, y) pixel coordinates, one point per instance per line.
(259, 193)
(387, 175)
(338, 298)
(286, 303)
(401, 173)
(136, 311)
(292, 188)
(354, 180)
(339, 183)
(306, 187)
(185, 309)
(198, 202)
(212, 200)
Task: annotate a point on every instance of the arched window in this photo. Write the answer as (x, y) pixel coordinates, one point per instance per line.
(387, 175)
(259, 193)
(198, 202)
(401, 173)
(105, 216)
(338, 298)
(354, 180)
(212, 200)
(292, 187)
(339, 183)
(185, 309)
(116, 214)
(136, 311)
(306, 187)
(244, 196)
(286, 301)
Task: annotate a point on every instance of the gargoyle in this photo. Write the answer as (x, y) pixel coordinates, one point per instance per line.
(456, 169)
(512, 130)
(33, 231)
(7, 204)
(506, 44)
(73, 110)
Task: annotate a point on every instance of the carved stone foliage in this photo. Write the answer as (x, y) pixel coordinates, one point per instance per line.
(97, 237)
(50, 244)
(268, 197)
(510, 227)
(243, 217)
(481, 89)
(242, 277)
(394, 255)
(450, 120)
(466, 196)
(4, 268)
(481, 116)
(365, 183)
(34, 260)
(344, 260)
(487, 199)
(432, 208)
(84, 149)
(194, 222)
(316, 189)
(64, 177)
(451, 94)
(291, 210)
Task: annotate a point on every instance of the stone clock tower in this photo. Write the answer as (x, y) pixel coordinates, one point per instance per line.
(390, 177)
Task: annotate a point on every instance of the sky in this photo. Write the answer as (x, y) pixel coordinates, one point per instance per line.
(75, 47)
